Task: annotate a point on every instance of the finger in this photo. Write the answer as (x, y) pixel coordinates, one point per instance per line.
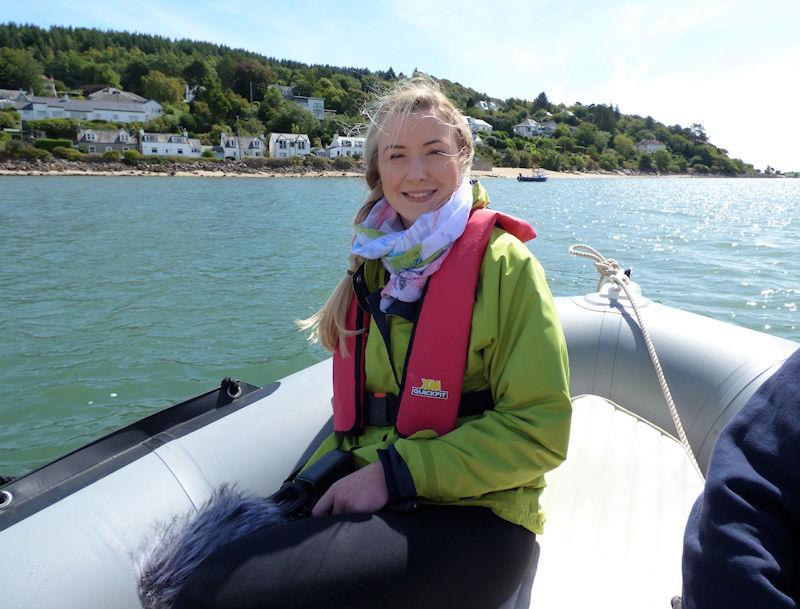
(323, 506)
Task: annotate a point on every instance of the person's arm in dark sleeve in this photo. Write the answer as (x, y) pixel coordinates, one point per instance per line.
(742, 541)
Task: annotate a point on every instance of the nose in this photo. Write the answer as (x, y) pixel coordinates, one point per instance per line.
(417, 169)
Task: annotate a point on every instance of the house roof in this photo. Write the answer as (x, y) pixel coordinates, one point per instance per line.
(115, 95)
(76, 105)
(12, 94)
(650, 143)
(168, 138)
(105, 136)
(244, 141)
(293, 137)
(528, 122)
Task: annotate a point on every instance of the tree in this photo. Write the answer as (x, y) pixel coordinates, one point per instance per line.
(252, 76)
(196, 71)
(293, 118)
(157, 85)
(662, 159)
(624, 146)
(19, 70)
(132, 75)
(541, 102)
(698, 133)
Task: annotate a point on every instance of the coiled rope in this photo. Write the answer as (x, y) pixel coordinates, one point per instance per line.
(610, 272)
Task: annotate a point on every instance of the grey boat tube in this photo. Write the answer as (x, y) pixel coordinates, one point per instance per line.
(712, 367)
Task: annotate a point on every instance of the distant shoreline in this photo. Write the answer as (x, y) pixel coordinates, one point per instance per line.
(241, 170)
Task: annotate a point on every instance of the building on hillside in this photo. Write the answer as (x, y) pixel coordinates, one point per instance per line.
(105, 140)
(550, 126)
(116, 95)
(285, 145)
(477, 124)
(529, 128)
(169, 144)
(346, 146)
(9, 98)
(35, 107)
(237, 148)
(487, 105)
(650, 146)
(315, 105)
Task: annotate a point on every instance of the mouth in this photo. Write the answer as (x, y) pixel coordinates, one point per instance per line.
(420, 196)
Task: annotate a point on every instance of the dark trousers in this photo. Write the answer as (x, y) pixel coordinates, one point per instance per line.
(436, 557)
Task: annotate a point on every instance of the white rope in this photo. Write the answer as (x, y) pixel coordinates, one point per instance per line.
(610, 272)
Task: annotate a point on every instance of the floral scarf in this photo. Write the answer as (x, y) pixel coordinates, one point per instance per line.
(411, 255)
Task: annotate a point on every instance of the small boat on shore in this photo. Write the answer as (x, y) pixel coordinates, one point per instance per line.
(539, 176)
(616, 508)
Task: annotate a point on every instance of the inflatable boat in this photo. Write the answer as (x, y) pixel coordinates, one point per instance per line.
(616, 508)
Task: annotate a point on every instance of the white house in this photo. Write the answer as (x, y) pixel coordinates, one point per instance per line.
(169, 144)
(284, 145)
(487, 105)
(476, 124)
(35, 107)
(315, 105)
(650, 146)
(242, 147)
(346, 146)
(529, 128)
(105, 140)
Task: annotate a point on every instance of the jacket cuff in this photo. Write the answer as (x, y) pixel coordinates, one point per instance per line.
(399, 482)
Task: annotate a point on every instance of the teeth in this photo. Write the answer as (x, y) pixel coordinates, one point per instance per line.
(419, 195)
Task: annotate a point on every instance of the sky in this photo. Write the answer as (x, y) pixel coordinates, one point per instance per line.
(731, 65)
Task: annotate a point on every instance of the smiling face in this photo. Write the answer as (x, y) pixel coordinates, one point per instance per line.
(418, 163)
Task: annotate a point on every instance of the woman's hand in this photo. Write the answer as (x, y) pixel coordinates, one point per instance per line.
(363, 491)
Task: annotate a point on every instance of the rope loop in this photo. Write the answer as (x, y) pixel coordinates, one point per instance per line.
(608, 268)
(610, 271)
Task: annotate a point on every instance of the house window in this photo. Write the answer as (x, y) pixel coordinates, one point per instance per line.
(282, 144)
(90, 137)
(91, 149)
(256, 143)
(154, 151)
(180, 150)
(301, 145)
(291, 144)
(124, 149)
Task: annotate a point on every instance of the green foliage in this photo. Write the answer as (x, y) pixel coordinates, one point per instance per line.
(157, 85)
(344, 163)
(208, 154)
(51, 144)
(645, 162)
(132, 157)
(112, 155)
(16, 149)
(70, 154)
(662, 159)
(19, 70)
(293, 118)
(64, 128)
(157, 67)
(10, 119)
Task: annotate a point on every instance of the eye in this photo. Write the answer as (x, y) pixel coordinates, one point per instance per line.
(396, 155)
(436, 151)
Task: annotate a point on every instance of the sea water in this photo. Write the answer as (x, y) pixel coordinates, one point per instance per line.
(122, 295)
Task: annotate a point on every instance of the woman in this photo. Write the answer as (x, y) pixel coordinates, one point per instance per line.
(453, 411)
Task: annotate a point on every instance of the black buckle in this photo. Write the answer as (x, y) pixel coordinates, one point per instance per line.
(381, 409)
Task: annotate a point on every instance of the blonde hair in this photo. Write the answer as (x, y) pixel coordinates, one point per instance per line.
(416, 95)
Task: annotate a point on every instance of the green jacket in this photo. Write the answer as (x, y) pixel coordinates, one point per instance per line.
(516, 349)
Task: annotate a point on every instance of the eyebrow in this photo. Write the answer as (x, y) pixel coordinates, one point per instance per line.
(392, 146)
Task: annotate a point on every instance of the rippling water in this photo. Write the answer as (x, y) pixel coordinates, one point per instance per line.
(122, 295)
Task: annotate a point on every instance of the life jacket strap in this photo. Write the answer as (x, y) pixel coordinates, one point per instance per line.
(382, 408)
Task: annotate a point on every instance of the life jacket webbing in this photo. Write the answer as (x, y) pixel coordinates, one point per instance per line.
(430, 393)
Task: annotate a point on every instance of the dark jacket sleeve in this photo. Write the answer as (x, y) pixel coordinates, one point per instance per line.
(742, 542)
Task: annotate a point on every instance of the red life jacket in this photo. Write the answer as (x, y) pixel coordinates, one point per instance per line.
(430, 393)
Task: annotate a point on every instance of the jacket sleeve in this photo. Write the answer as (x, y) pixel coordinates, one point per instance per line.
(742, 541)
(518, 338)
